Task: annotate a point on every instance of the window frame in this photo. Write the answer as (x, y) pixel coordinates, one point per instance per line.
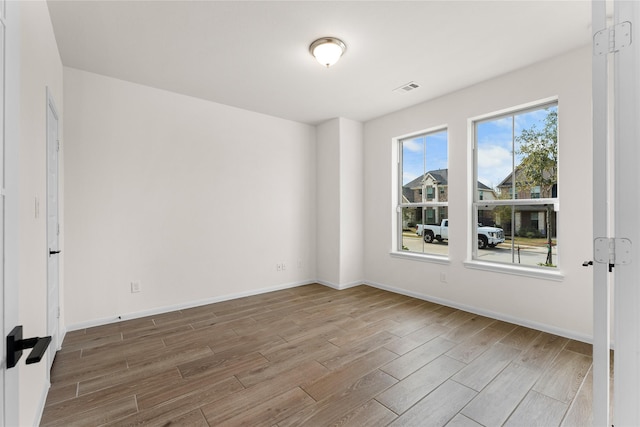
(473, 260)
(399, 205)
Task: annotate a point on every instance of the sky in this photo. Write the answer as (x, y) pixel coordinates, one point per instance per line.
(495, 148)
(424, 153)
(496, 145)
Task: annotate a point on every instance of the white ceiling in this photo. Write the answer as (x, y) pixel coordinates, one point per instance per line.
(254, 54)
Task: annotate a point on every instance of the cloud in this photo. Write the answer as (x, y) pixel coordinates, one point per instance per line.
(503, 123)
(413, 145)
(494, 164)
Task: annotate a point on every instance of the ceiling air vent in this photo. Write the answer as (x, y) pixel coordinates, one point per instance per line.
(407, 87)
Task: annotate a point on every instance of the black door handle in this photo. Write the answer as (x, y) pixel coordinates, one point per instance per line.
(15, 345)
(53, 252)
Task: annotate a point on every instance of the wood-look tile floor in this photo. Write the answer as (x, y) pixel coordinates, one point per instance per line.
(315, 356)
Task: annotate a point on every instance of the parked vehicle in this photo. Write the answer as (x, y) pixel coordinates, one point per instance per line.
(487, 236)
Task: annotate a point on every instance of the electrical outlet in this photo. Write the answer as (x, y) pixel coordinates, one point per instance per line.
(443, 277)
(135, 287)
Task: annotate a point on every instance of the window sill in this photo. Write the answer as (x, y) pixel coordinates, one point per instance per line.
(533, 272)
(437, 259)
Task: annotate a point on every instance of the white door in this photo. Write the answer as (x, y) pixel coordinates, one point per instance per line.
(626, 383)
(53, 229)
(616, 195)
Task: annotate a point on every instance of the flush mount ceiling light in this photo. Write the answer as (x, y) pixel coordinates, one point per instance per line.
(327, 50)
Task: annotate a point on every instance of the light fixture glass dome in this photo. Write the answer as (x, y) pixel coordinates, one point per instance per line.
(327, 50)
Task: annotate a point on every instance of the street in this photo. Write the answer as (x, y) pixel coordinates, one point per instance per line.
(527, 255)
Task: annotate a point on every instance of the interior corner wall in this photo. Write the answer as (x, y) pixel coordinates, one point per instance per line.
(340, 202)
(351, 203)
(565, 306)
(40, 68)
(328, 203)
(196, 201)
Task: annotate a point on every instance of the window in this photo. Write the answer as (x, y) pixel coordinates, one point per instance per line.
(534, 220)
(535, 192)
(516, 157)
(423, 205)
(430, 193)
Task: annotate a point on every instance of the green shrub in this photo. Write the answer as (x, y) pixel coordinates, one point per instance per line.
(529, 232)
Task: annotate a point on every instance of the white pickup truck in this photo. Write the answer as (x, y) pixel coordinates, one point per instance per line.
(487, 236)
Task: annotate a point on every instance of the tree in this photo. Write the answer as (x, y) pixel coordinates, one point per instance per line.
(539, 165)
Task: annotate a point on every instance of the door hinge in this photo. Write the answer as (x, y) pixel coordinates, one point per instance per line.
(57, 145)
(612, 39)
(612, 251)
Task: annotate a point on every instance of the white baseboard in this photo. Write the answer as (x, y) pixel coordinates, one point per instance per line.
(494, 315)
(43, 401)
(182, 306)
(340, 287)
(487, 313)
(62, 333)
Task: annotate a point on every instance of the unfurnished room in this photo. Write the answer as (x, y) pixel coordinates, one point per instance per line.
(320, 213)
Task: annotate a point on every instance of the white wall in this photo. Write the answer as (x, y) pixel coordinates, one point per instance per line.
(328, 203)
(196, 200)
(40, 68)
(563, 306)
(351, 202)
(340, 202)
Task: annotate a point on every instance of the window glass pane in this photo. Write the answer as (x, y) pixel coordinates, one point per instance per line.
(413, 151)
(517, 159)
(526, 236)
(436, 160)
(423, 231)
(424, 176)
(524, 145)
(495, 216)
(536, 152)
(425, 168)
(412, 223)
(495, 155)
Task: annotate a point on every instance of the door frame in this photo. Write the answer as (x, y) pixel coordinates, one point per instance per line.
(2, 200)
(12, 80)
(601, 219)
(55, 343)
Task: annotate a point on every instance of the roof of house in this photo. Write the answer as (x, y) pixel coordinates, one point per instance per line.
(441, 176)
(407, 193)
(481, 186)
(507, 181)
